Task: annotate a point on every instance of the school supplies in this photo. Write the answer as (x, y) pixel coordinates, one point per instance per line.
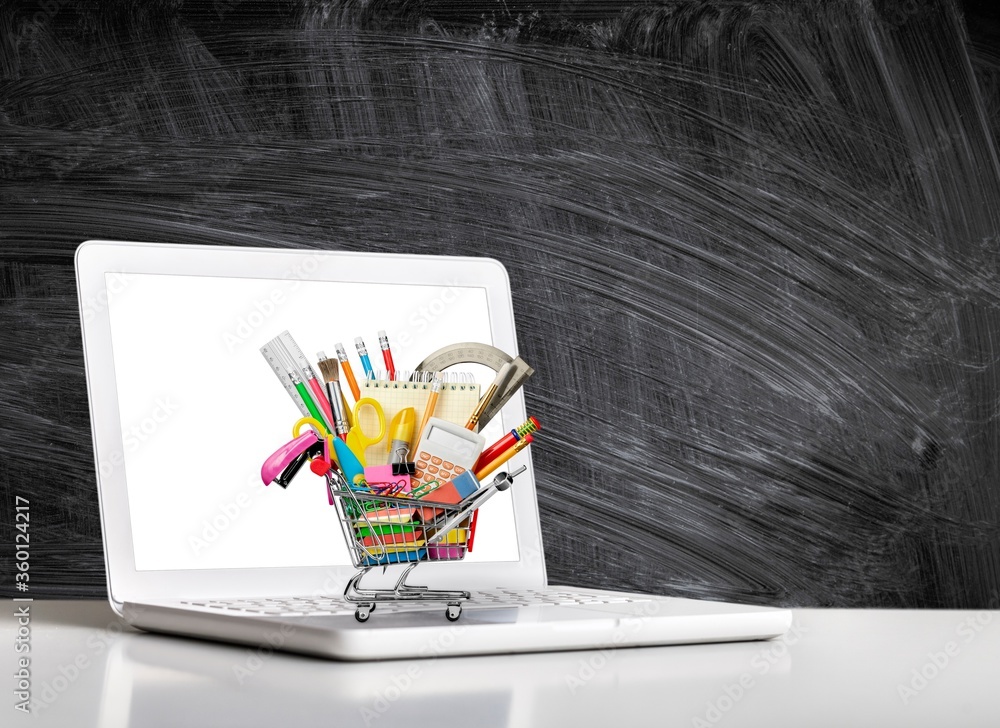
(277, 359)
(358, 438)
(529, 426)
(365, 361)
(400, 435)
(501, 482)
(458, 489)
(432, 398)
(292, 369)
(348, 372)
(455, 402)
(304, 368)
(446, 450)
(354, 470)
(501, 378)
(382, 530)
(383, 342)
(504, 456)
(331, 376)
(395, 512)
(384, 480)
(289, 454)
(477, 353)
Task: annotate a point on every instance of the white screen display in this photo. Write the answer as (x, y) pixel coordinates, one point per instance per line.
(201, 409)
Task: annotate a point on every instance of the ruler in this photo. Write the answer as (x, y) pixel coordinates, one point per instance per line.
(278, 359)
(490, 356)
(298, 358)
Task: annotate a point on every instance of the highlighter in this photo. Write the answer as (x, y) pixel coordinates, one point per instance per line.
(352, 468)
(401, 434)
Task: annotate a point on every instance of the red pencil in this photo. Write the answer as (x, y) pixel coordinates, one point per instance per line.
(390, 368)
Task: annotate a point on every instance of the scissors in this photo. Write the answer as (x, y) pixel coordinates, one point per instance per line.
(357, 439)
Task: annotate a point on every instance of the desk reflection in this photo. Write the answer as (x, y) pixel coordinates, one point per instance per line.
(153, 680)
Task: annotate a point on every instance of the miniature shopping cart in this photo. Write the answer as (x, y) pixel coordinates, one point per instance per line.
(384, 530)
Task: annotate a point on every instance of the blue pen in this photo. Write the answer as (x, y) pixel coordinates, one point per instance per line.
(365, 361)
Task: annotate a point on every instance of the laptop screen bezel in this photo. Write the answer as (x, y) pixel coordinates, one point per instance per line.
(97, 258)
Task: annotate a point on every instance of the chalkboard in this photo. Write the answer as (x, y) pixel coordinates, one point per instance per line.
(753, 249)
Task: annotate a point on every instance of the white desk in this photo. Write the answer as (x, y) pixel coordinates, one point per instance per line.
(836, 668)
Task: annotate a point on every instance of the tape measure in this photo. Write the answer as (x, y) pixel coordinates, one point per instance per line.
(489, 356)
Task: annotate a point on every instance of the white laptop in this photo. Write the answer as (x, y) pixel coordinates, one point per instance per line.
(184, 410)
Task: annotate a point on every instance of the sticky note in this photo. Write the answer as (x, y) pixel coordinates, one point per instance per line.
(383, 475)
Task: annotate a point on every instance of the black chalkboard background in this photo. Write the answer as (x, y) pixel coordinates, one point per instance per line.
(753, 248)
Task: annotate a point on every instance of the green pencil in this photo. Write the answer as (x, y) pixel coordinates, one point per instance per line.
(308, 400)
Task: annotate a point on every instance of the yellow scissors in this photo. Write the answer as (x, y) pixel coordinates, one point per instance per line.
(357, 439)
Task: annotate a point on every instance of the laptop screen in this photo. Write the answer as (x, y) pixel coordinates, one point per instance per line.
(201, 409)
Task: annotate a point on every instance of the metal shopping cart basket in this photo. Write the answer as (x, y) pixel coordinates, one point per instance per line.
(383, 530)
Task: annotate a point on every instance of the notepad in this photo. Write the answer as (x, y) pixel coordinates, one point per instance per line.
(455, 403)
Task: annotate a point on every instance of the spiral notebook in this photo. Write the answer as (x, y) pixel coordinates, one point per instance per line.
(455, 403)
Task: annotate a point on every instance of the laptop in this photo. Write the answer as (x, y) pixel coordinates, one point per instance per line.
(184, 410)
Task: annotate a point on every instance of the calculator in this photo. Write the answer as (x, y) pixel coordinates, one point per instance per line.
(445, 451)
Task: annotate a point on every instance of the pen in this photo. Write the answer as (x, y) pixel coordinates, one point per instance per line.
(348, 372)
(432, 399)
(500, 380)
(365, 361)
(530, 425)
(383, 342)
(504, 456)
(400, 435)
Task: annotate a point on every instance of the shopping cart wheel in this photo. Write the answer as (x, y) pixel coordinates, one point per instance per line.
(454, 612)
(363, 612)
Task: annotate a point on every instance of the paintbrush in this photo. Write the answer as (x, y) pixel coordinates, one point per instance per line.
(330, 370)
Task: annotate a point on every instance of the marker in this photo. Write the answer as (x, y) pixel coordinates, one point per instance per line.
(383, 342)
(505, 456)
(365, 361)
(348, 372)
(352, 468)
(530, 425)
(400, 435)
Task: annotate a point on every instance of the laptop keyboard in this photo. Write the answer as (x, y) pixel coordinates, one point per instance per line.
(316, 606)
